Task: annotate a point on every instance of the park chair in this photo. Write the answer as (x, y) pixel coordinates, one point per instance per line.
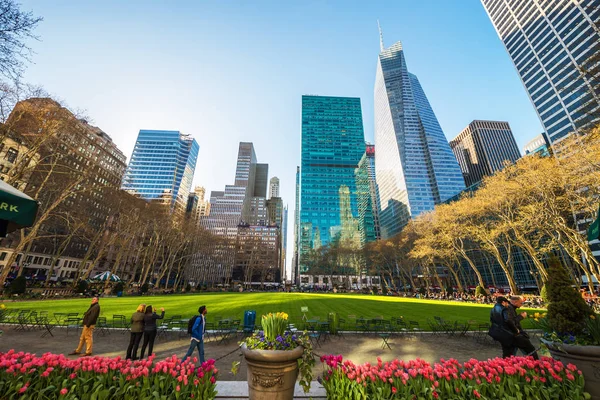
(44, 323)
(385, 332)
(314, 334)
(401, 327)
(231, 330)
(415, 327)
(120, 322)
(10, 316)
(102, 326)
(73, 323)
(178, 326)
(362, 324)
(481, 335)
(22, 321)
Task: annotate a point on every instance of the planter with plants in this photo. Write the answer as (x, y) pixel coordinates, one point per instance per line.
(571, 329)
(274, 357)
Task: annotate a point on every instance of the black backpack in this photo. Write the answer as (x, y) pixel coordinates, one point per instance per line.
(191, 323)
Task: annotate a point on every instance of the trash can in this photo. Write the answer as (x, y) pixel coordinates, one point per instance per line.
(249, 321)
(119, 294)
(334, 323)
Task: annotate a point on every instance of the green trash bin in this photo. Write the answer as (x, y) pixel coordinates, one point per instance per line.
(334, 323)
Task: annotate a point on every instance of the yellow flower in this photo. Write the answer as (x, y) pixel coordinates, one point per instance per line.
(592, 316)
(2, 307)
(536, 320)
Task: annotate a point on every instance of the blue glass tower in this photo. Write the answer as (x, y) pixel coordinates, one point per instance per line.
(415, 166)
(333, 143)
(162, 167)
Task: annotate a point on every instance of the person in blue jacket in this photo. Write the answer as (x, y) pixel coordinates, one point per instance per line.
(197, 340)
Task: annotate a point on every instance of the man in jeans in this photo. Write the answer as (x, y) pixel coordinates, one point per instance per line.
(87, 335)
(197, 340)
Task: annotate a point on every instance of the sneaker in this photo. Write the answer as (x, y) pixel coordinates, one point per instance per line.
(73, 353)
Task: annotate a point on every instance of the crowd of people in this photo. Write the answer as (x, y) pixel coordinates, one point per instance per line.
(143, 325)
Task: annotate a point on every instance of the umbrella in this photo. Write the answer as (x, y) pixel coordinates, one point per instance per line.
(106, 275)
(17, 210)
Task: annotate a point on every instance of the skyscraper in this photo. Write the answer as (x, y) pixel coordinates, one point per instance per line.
(537, 145)
(368, 197)
(274, 187)
(550, 43)
(332, 146)
(482, 148)
(415, 167)
(295, 257)
(162, 167)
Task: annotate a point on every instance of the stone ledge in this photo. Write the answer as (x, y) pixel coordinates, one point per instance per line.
(239, 390)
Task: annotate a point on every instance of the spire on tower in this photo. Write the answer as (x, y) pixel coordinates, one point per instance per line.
(380, 36)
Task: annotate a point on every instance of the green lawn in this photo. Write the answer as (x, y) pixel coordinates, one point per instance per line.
(232, 305)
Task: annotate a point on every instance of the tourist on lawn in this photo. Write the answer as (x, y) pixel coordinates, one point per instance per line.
(521, 339)
(87, 335)
(150, 329)
(197, 341)
(137, 330)
(500, 330)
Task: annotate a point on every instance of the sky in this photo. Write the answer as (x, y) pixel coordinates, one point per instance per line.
(231, 71)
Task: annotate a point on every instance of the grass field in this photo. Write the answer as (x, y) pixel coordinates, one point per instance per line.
(232, 305)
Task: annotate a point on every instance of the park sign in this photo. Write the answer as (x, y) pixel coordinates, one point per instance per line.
(17, 210)
(594, 229)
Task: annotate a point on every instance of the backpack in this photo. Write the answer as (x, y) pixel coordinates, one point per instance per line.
(191, 323)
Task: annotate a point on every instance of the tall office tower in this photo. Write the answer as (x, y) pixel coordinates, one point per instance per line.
(197, 206)
(482, 149)
(274, 187)
(284, 244)
(414, 164)
(295, 271)
(538, 145)
(368, 197)
(550, 43)
(333, 143)
(162, 167)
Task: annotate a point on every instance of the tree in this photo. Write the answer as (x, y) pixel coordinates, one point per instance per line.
(16, 27)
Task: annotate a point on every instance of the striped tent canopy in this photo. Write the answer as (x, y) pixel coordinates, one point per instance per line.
(106, 275)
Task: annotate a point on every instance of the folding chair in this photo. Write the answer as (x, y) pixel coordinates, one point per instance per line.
(120, 322)
(385, 332)
(415, 327)
(22, 321)
(73, 323)
(102, 326)
(45, 324)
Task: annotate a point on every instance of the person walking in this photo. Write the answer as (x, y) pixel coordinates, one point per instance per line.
(521, 338)
(87, 335)
(150, 329)
(137, 330)
(500, 331)
(197, 340)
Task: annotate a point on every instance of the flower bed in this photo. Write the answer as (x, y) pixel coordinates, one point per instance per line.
(510, 378)
(53, 376)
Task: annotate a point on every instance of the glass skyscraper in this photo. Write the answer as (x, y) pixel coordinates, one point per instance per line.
(333, 143)
(549, 42)
(368, 197)
(162, 167)
(414, 165)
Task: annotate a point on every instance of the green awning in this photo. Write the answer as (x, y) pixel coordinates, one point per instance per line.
(17, 210)
(594, 229)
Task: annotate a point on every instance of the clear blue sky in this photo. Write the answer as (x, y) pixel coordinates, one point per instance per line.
(230, 71)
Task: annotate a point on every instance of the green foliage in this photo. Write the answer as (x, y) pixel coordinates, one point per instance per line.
(480, 291)
(544, 294)
(144, 288)
(422, 290)
(592, 327)
(18, 285)
(82, 286)
(274, 325)
(567, 311)
(118, 287)
(449, 290)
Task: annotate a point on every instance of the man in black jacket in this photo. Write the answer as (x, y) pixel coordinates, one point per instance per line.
(500, 330)
(521, 338)
(87, 335)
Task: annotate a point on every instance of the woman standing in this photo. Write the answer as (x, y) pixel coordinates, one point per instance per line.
(137, 329)
(150, 329)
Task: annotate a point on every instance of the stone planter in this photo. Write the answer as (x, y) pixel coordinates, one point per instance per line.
(587, 359)
(272, 374)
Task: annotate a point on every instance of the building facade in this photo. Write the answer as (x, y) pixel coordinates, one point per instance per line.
(415, 167)
(162, 167)
(483, 148)
(550, 43)
(295, 258)
(274, 187)
(368, 197)
(538, 145)
(332, 146)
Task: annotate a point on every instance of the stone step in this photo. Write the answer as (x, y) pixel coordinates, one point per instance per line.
(234, 390)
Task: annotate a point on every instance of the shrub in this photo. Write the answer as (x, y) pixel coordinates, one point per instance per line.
(144, 288)
(480, 291)
(510, 378)
(188, 287)
(544, 294)
(422, 290)
(82, 286)
(118, 288)
(567, 311)
(53, 376)
(18, 285)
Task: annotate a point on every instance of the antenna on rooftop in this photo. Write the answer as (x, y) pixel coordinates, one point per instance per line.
(380, 36)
